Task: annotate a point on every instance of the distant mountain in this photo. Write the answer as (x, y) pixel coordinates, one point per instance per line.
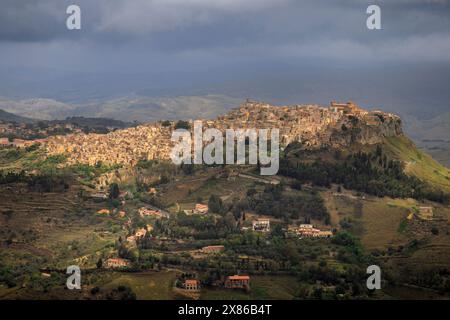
(129, 109)
(42, 109)
(10, 117)
(146, 109)
(95, 122)
(432, 136)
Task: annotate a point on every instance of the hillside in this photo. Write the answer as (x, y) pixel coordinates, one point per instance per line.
(417, 163)
(93, 122)
(10, 117)
(432, 136)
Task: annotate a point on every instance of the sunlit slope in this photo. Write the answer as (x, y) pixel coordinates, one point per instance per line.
(418, 163)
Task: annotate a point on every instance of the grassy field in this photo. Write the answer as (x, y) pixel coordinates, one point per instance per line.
(186, 193)
(381, 223)
(262, 288)
(147, 286)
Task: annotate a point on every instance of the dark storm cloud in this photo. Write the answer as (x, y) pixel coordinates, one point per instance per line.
(334, 28)
(22, 21)
(286, 50)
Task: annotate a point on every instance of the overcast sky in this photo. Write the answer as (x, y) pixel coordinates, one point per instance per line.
(282, 51)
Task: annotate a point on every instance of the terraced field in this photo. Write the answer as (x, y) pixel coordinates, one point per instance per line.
(57, 227)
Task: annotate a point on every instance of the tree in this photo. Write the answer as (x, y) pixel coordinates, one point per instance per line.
(99, 263)
(115, 203)
(277, 231)
(182, 125)
(215, 204)
(114, 191)
(164, 179)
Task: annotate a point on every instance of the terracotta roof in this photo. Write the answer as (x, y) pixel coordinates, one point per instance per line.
(191, 282)
(236, 277)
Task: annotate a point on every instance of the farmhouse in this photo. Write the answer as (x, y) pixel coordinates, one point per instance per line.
(140, 233)
(144, 212)
(198, 209)
(19, 143)
(237, 282)
(308, 231)
(201, 208)
(191, 285)
(103, 211)
(116, 263)
(262, 225)
(4, 142)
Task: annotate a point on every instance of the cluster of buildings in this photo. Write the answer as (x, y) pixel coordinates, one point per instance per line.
(150, 212)
(35, 132)
(124, 147)
(139, 234)
(20, 143)
(308, 231)
(231, 282)
(312, 125)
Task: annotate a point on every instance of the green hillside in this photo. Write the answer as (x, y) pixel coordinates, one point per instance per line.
(418, 163)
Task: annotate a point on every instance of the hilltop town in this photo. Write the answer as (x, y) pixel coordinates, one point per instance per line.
(315, 127)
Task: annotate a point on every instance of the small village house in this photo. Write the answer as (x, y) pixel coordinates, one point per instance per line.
(4, 142)
(308, 231)
(261, 225)
(191, 285)
(103, 211)
(144, 212)
(140, 233)
(113, 263)
(237, 282)
(201, 208)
